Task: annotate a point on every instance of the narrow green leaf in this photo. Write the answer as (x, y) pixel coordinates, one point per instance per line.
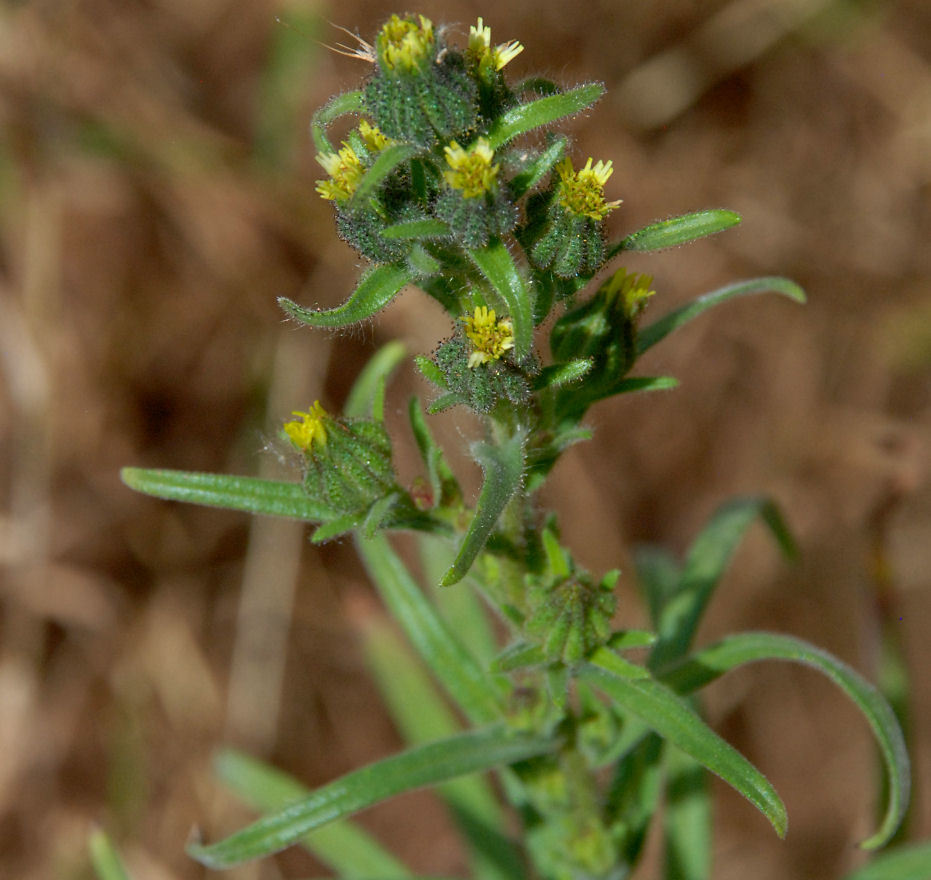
(474, 690)
(420, 766)
(628, 639)
(733, 651)
(633, 797)
(343, 846)
(422, 715)
(658, 576)
(106, 860)
(443, 483)
(377, 288)
(333, 528)
(430, 371)
(659, 330)
(557, 375)
(686, 820)
(676, 231)
(542, 112)
(341, 105)
(518, 656)
(903, 863)
(366, 397)
(539, 168)
(249, 494)
(643, 383)
(495, 262)
(606, 659)
(503, 466)
(417, 229)
(388, 159)
(445, 401)
(666, 714)
(705, 564)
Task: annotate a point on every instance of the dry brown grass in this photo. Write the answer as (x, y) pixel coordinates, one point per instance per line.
(156, 194)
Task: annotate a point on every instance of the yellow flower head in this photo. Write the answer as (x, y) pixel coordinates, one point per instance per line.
(488, 57)
(632, 291)
(471, 170)
(403, 44)
(490, 338)
(345, 170)
(372, 137)
(582, 192)
(310, 428)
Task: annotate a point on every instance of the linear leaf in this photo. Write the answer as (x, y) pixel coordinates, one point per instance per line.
(249, 494)
(341, 105)
(659, 330)
(443, 483)
(495, 262)
(503, 466)
(343, 846)
(733, 651)
(687, 819)
(556, 375)
(677, 230)
(902, 863)
(456, 669)
(633, 796)
(377, 288)
(539, 168)
(420, 766)
(665, 713)
(388, 159)
(541, 112)
(366, 397)
(707, 560)
(106, 860)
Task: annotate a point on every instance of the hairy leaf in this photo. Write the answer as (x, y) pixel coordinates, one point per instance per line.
(676, 231)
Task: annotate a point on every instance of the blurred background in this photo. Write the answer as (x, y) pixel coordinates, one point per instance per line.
(157, 194)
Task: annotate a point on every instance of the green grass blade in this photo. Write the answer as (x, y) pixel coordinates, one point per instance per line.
(106, 860)
(388, 159)
(425, 765)
(497, 265)
(342, 846)
(466, 682)
(903, 863)
(422, 715)
(666, 714)
(366, 397)
(249, 494)
(377, 288)
(542, 112)
(733, 651)
(659, 330)
(341, 105)
(504, 467)
(705, 564)
(676, 231)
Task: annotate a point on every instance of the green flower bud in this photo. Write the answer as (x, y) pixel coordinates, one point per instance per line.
(420, 90)
(569, 616)
(347, 462)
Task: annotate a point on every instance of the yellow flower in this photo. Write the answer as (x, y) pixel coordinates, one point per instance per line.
(490, 338)
(309, 430)
(470, 170)
(480, 48)
(372, 137)
(404, 44)
(582, 192)
(345, 170)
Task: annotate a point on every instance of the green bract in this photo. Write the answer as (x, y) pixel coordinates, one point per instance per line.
(439, 186)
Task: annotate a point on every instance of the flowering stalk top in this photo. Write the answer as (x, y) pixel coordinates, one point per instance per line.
(490, 337)
(582, 192)
(488, 58)
(471, 170)
(308, 429)
(403, 44)
(346, 171)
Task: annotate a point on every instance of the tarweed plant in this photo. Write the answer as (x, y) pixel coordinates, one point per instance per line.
(457, 181)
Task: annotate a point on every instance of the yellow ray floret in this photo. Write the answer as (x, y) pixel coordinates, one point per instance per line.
(372, 137)
(345, 170)
(471, 170)
(308, 429)
(488, 57)
(490, 337)
(632, 290)
(582, 192)
(403, 44)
